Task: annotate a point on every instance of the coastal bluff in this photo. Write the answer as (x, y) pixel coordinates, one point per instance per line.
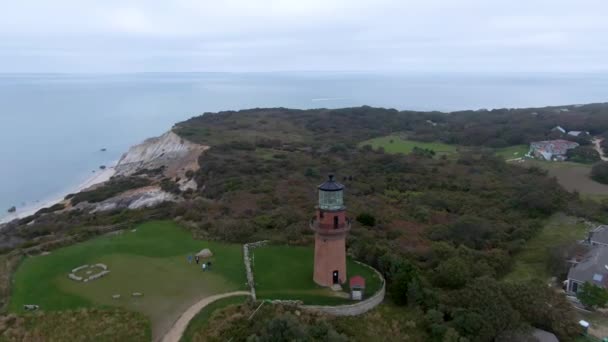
(169, 151)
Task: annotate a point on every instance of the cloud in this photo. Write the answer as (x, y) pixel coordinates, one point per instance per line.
(268, 35)
(130, 20)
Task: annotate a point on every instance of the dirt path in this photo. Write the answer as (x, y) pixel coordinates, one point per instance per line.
(178, 328)
(598, 148)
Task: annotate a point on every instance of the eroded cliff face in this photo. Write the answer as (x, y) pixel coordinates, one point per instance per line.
(171, 156)
(169, 150)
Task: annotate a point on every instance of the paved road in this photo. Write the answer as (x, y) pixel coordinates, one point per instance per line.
(178, 328)
(598, 148)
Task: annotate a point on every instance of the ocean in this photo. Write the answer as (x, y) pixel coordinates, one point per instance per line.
(53, 127)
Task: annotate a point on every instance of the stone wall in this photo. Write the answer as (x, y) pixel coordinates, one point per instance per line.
(353, 309)
(357, 308)
(247, 261)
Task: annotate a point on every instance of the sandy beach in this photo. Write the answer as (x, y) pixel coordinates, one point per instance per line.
(99, 176)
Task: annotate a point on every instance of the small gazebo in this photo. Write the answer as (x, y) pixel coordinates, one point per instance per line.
(357, 287)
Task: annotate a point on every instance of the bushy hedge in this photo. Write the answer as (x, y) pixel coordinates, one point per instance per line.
(599, 172)
(110, 189)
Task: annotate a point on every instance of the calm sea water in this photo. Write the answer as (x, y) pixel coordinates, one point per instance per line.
(53, 126)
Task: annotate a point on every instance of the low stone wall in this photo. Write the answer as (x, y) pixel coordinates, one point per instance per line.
(353, 309)
(247, 261)
(357, 308)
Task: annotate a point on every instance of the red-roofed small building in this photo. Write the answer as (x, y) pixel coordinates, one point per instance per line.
(357, 287)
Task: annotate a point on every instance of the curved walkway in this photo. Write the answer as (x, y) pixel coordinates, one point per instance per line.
(177, 330)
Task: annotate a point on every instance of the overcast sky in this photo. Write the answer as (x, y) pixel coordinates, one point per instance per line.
(273, 35)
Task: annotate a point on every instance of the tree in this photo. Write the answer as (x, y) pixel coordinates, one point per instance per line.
(311, 173)
(452, 273)
(482, 310)
(592, 295)
(283, 328)
(583, 154)
(366, 219)
(399, 287)
(542, 307)
(599, 172)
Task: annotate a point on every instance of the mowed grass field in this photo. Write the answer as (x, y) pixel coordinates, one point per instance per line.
(513, 152)
(396, 144)
(150, 260)
(531, 262)
(573, 177)
(285, 272)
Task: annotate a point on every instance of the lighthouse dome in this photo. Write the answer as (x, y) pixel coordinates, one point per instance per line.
(331, 185)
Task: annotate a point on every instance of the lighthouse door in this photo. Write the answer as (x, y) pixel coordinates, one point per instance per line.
(335, 277)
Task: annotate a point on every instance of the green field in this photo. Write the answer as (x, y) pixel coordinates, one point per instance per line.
(396, 144)
(531, 261)
(200, 321)
(284, 272)
(573, 177)
(512, 152)
(150, 260)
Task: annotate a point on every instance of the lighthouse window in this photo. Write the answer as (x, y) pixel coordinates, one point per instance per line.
(336, 222)
(330, 200)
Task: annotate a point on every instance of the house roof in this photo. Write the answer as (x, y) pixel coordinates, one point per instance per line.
(331, 185)
(550, 148)
(599, 234)
(575, 133)
(593, 268)
(558, 128)
(544, 336)
(357, 281)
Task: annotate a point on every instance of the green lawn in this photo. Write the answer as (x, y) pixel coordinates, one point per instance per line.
(530, 263)
(512, 152)
(199, 322)
(284, 272)
(396, 144)
(150, 260)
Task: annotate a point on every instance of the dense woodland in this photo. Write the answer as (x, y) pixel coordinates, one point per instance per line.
(442, 229)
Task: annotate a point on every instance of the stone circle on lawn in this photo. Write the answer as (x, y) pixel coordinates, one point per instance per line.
(93, 272)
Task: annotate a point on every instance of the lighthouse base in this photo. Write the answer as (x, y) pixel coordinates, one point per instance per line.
(330, 261)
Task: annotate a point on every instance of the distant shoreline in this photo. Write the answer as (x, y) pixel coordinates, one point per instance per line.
(98, 177)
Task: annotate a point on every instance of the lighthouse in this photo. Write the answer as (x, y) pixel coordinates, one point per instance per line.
(331, 227)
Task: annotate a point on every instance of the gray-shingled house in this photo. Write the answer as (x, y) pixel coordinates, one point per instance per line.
(598, 236)
(592, 268)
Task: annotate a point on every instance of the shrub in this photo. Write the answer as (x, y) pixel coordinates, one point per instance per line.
(599, 172)
(583, 154)
(170, 186)
(593, 296)
(366, 219)
(110, 189)
(55, 207)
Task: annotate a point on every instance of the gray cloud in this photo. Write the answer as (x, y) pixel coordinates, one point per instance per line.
(271, 35)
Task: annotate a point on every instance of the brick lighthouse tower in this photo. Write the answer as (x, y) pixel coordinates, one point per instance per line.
(330, 226)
